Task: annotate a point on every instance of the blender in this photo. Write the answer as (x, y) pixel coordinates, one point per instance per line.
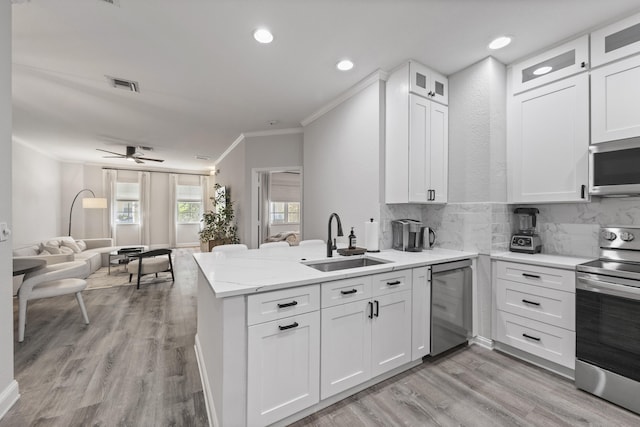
(526, 240)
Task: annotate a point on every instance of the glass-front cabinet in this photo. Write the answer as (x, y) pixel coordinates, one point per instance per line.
(557, 63)
(616, 41)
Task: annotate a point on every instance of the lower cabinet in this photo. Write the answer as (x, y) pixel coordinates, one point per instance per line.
(283, 367)
(363, 339)
(421, 313)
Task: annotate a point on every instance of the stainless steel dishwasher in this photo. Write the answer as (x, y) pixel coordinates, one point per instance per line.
(451, 309)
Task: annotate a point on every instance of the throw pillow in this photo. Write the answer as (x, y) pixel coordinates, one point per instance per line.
(82, 245)
(65, 250)
(43, 252)
(53, 250)
(71, 245)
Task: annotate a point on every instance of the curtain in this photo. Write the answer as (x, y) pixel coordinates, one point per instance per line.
(144, 180)
(265, 188)
(109, 179)
(204, 185)
(173, 215)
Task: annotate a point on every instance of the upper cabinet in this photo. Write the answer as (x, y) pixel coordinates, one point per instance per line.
(560, 62)
(428, 83)
(616, 41)
(548, 142)
(416, 140)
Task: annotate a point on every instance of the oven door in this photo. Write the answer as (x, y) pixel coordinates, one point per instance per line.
(608, 323)
(614, 168)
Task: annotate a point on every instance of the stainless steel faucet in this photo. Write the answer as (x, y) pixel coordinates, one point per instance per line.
(331, 245)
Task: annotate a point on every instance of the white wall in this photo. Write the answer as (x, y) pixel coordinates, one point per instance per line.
(36, 179)
(233, 175)
(342, 164)
(8, 386)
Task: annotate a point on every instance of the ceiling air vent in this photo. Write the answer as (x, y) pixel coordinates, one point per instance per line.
(202, 157)
(125, 84)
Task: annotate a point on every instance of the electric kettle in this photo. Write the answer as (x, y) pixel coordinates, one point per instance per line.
(428, 237)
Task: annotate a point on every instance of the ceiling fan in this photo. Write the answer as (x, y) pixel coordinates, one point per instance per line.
(134, 154)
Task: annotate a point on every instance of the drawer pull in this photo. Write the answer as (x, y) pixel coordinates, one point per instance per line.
(531, 276)
(370, 309)
(396, 282)
(530, 337)
(377, 308)
(291, 326)
(352, 291)
(530, 302)
(288, 304)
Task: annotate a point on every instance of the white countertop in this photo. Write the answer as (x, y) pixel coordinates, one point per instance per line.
(544, 260)
(259, 270)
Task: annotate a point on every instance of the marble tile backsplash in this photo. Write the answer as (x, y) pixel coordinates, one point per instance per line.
(565, 228)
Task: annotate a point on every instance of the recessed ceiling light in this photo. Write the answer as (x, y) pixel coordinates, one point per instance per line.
(262, 35)
(499, 42)
(542, 70)
(344, 65)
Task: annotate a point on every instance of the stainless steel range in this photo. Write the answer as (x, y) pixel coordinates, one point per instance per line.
(608, 319)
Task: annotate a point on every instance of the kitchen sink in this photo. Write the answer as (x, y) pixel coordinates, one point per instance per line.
(344, 264)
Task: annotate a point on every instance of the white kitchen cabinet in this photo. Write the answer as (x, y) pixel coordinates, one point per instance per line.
(283, 368)
(416, 145)
(535, 310)
(421, 313)
(616, 41)
(365, 338)
(548, 142)
(427, 83)
(555, 64)
(615, 101)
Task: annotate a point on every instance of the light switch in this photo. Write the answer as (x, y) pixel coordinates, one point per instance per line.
(4, 232)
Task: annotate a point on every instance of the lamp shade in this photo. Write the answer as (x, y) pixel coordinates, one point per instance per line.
(94, 203)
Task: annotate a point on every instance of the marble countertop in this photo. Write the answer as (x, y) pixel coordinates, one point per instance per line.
(544, 260)
(260, 270)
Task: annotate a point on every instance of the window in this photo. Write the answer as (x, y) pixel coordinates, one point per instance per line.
(127, 203)
(284, 213)
(189, 199)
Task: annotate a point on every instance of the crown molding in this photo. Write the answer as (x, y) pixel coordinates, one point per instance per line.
(229, 149)
(376, 76)
(288, 131)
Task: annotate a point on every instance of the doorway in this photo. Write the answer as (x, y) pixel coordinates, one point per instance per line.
(276, 205)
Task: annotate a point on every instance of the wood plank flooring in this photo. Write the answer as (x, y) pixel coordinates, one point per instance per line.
(135, 365)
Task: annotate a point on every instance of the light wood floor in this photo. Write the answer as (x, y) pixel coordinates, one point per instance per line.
(135, 365)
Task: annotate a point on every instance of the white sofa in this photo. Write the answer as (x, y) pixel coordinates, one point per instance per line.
(63, 249)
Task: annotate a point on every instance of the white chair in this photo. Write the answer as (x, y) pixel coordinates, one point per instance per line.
(50, 281)
(274, 245)
(230, 248)
(311, 242)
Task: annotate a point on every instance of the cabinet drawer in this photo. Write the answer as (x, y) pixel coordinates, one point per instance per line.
(551, 306)
(549, 342)
(394, 281)
(554, 278)
(347, 290)
(278, 304)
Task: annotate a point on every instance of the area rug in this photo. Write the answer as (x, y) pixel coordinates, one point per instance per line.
(101, 279)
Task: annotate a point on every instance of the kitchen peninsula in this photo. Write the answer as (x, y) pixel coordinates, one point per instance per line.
(278, 339)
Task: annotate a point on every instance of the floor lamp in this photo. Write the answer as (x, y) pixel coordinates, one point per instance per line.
(88, 203)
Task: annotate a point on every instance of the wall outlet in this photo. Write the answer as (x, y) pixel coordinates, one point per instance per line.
(4, 231)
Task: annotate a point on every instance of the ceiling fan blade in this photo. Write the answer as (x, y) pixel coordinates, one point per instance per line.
(137, 159)
(113, 157)
(151, 160)
(110, 152)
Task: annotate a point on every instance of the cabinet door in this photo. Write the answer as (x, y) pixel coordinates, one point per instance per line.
(615, 101)
(616, 41)
(346, 347)
(439, 88)
(420, 313)
(419, 136)
(439, 153)
(548, 142)
(563, 61)
(283, 368)
(390, 332)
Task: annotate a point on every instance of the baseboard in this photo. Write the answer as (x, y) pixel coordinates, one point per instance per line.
(206, 389)
(482, 342)
(9, 397)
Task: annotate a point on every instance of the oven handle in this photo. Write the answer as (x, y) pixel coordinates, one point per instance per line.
(608, 288)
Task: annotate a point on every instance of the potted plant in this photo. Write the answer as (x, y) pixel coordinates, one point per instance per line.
(218, 228)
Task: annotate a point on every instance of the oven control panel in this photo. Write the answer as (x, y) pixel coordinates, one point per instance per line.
(620, 238)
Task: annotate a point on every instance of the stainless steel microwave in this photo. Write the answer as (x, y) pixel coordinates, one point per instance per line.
(614, 168)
